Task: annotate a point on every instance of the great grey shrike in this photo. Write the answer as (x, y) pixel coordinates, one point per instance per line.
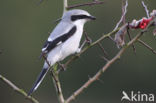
(63, 41)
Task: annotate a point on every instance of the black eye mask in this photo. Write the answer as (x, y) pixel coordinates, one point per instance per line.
(77, 17)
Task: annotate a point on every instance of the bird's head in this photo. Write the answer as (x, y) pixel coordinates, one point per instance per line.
(77, 16)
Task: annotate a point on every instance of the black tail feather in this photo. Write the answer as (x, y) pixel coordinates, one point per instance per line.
(38, 81)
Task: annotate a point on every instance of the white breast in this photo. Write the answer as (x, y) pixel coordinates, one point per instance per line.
(67, 48)
(72, 44)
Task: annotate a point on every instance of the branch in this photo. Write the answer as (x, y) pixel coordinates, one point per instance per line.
(101, 71)
(145, 7)
(18, 90)
(57, 84)
(56, 80)
(147, 46)
(102, 48)
(130, 38)
(109, 63)
(123, 15)
(85, 4)
(123, 11)
(65, 6)
(91, 45)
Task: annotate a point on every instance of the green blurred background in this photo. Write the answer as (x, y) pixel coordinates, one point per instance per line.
(24, 27)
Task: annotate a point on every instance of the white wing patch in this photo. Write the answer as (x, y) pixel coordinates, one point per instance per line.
(59, 43)
(43, 49)
(49, 39)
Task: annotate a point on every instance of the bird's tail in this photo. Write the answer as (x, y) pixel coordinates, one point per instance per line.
(39, 80)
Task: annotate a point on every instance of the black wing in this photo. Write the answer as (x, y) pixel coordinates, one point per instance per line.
(49, 45)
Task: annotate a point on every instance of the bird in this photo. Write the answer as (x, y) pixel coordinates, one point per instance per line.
(63, 41)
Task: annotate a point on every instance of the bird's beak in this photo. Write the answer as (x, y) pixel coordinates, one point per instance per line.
(92, 17)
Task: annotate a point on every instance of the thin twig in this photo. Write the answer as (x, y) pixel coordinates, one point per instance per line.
(102, 48)
(57, 85)
(18, 90)
(65, 6)
(104, 58)
(123, 15)
(145, 7)
(147, 46)
(85, 4)
(88, 39)
(123, 11)
(101, 71)
(130, 38)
